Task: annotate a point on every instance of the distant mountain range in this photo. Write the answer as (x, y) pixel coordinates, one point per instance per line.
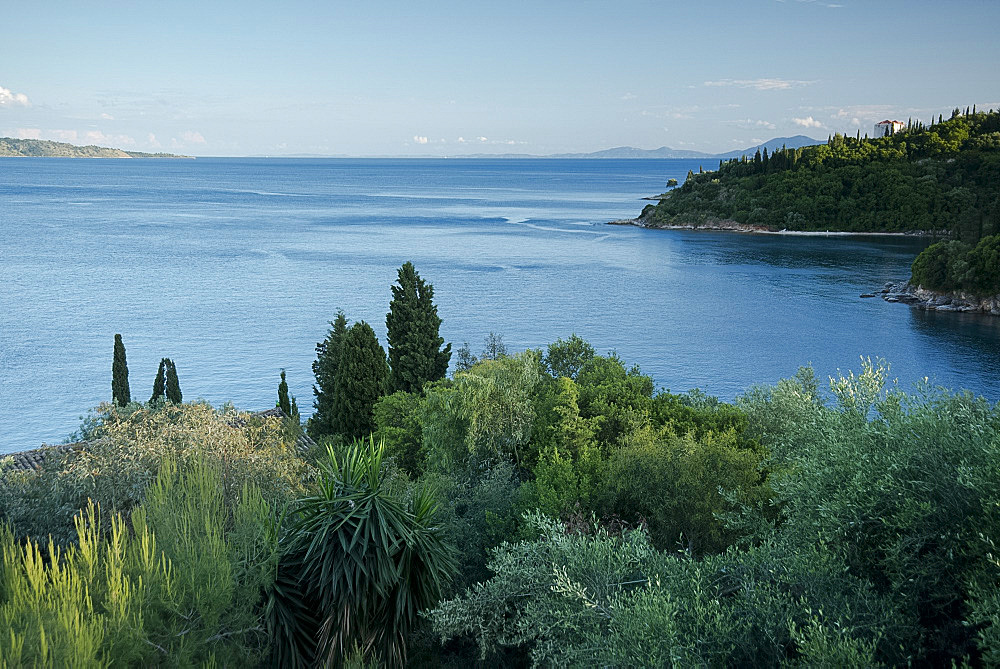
(625, 152)
(44, 148)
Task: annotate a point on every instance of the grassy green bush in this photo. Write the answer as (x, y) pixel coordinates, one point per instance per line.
(124, 455)
(175, 583)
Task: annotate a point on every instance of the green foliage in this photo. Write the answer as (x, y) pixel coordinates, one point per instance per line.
(415, 353)
(120, 394)
(283, 403)
(937, 178)
(357, 564)
(902, 487)
(159, 383)
(362, 378)
(325, 370)
(397, 417)
(953, 265)
(495, 398)
(566, 357)
(126, 453)
(173, 386)
(443, 426)
(617, 400)
(480, 510)
(695, 479)
(568, 466)
(176, 585)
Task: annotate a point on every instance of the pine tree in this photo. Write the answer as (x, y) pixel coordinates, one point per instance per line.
(159, 383)
(120, 394)
(362, 378)
(173, 386)
(325, 370)
(283, 403)
(415, 353)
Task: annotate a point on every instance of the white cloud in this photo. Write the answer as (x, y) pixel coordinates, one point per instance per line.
(98, 137)
(482, 139)
(29, 133)
(760, 84)
(750, 123)
(807, 122)
(107, 117)
(629, 96)
(63, 135)
(420, 139)
(152, 141)
(9, 98)
(193, 137)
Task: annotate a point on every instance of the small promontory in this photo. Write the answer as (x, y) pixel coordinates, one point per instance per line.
(42, 148)
(939, 178)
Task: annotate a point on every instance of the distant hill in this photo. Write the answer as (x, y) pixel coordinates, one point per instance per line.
(620, 152)
(937, 179)
(796, 142)
(626, 152)
(41, 148)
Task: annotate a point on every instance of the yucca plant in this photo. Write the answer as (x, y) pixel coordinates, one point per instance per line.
(358, 563)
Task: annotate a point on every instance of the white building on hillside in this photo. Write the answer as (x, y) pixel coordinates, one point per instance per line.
(887, 128)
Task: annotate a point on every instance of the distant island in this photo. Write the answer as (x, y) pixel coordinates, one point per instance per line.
(41, 148)
(939, 179)
(615, 153)
(630, 152)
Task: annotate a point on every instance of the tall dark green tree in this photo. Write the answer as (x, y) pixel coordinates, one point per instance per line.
(283, 402)
(173, 386)
(362, 378)
(325, 370)
(159, 383)
(415, 353)
(120, 394)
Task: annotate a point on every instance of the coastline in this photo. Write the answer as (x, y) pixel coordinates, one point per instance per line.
(733, 226)
(906, 293)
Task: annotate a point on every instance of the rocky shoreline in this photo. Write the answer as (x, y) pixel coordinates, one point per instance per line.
(930, 300)
(724, 225)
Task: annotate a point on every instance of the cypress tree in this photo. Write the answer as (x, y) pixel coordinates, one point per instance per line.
(415, 353)
(120, 394)
(173, 386)
(362, 378)
(159, 383)
(325, 370)
(283, 403)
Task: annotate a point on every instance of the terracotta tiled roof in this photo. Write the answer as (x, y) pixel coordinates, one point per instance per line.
(33, 460)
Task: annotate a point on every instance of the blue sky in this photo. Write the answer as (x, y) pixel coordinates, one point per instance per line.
(451, 78)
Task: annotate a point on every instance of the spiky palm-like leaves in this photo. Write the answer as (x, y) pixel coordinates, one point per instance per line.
(358, 563)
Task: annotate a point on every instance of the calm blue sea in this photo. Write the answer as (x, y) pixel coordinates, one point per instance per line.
(233, 268)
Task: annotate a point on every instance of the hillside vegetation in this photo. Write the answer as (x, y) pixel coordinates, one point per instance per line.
(537, 508)
(41, 148)
(940, 178)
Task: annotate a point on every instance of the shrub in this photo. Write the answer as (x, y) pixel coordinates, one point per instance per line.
(124, 458)
(178, 583)
(357, 565)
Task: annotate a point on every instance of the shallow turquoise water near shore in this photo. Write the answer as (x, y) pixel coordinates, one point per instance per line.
(233, 267)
